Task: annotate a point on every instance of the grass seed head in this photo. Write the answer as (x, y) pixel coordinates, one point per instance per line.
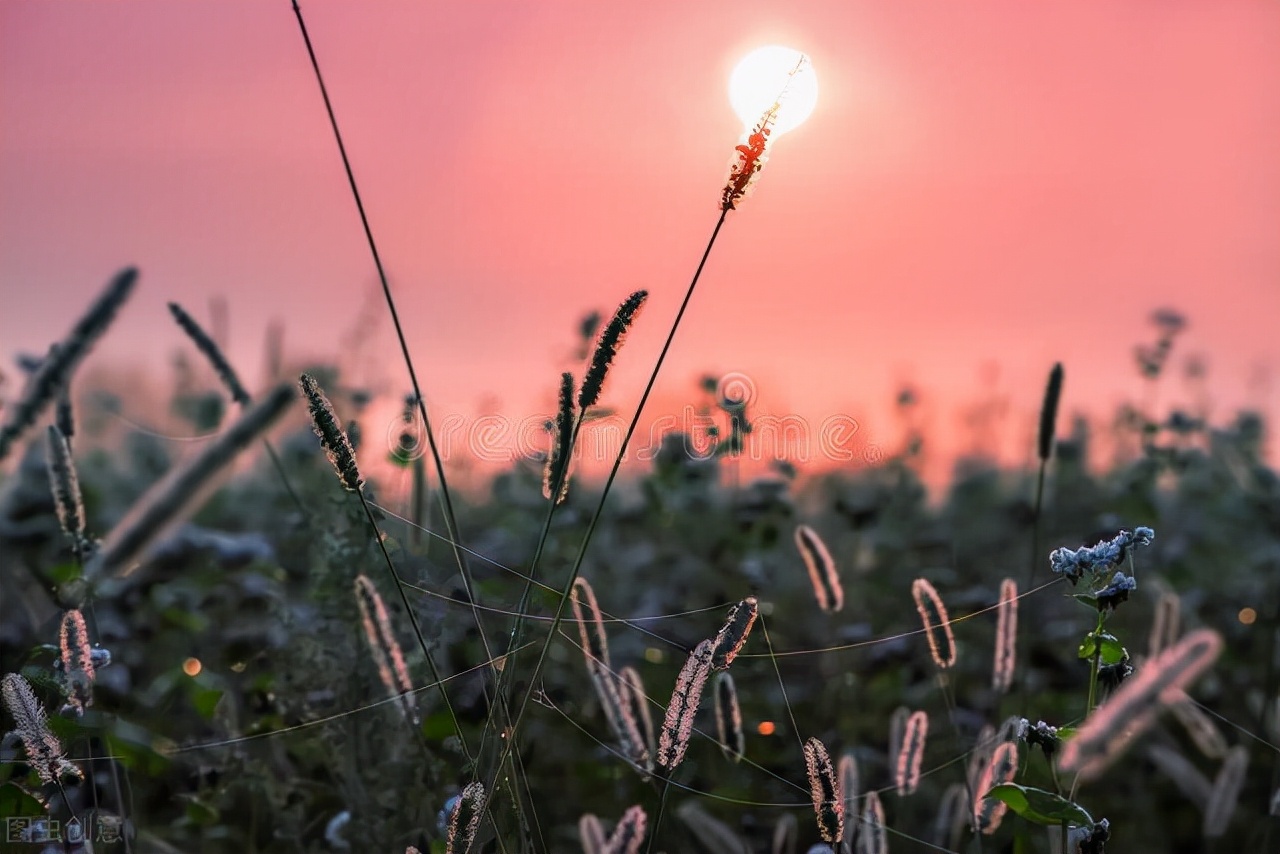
(607, 347)
(1049, 412)
(555, 474)
(464, 819)
(937, 626)
(733, 634)
(1006, 637)
(211, 351)
(677, 725)
(824, 788)
(332, 438)
(53, 376)
(729, 718)
(822, 569)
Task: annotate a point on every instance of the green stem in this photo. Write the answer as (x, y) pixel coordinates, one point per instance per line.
(1093, 684)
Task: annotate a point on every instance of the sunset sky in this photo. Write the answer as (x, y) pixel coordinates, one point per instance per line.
(984, 189)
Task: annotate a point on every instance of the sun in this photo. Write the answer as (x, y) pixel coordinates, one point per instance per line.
(767, 73)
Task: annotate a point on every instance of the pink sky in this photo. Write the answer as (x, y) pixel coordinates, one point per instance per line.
(1005, 183)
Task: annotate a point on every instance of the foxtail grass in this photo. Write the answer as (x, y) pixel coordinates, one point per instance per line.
(850, 790)
(1006, 648)
(586, 610)
(911, 753)
(1003, 765)
(733, 634)
(628, 835)
(65, 485)
(591, 834)
(822, 569)
(51, 379)
(385, 649)
(212, 352)
(873, 838)
(43, 750)
(464, 819)
(677, 725)
(1225, 794)
(182, 489)
(76, 658)
(1204, 733)
(1166, 624)
(824, 789)
(937, 626)
(637, 703)
(729, 718)
(334, 440)
(555, 479)
(606, 349)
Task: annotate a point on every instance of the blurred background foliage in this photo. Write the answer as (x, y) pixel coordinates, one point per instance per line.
(243, 705)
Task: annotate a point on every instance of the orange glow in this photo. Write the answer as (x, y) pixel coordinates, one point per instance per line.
(1247, 616)
(192, 667)
(766, 728)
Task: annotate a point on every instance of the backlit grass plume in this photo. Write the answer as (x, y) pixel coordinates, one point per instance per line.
(591, 834)
(76, 660)
(637, 702)
(1204, 733)
(1049, 412)
(54, 373)
(1166, 624)
(1133, 708)
(1225, 794)
(733, 634)
(729, 718)
(595, 643)
(822, 569)
(677, 725)
(750, 157)
(65, 485)
(872, 836)
(207, 346)
(850, 789)
(464, 819)
(44, 751)
(629, 833)
(384, 647)
(620, 712)
(911, 753)
(824, 789)
(183, 488)
(555, 474)
(937, 627)
(607, 347)
(1001, 768)
(612, 690)
(952, 817)
(332, 438)
(1006, 637)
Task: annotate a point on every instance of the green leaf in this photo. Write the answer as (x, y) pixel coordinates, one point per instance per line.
(1039, 806)
(205, 699)
(1108, 644)
(16, 801)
